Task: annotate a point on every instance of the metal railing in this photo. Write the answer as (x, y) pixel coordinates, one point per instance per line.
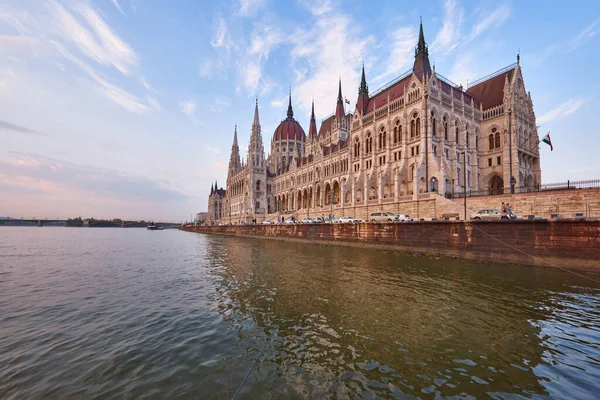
(546, 187)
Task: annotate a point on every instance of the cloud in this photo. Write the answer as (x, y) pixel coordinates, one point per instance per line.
(17, 128)
(401, 57)
(116, 3)
(250, 7)
(36, 171)
(218, 104)
(278, 103)
(588, 33)
(114, 93)
(214, 150)
(188, 107)
(494, 19)
(154, 103)
(567, 108)
(448, 37)
(219, 40)
(105, 47)
(333, 47)
(464, 69)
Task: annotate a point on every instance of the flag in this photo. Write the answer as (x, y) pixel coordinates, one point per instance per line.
(547, 140)
(347, 101)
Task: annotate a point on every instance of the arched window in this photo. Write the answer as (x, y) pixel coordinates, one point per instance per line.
(412, 128)
(456, 132)
(397, 132)
(418, 127)
(497, 139)
(433, 125)
(467, 135)
(382, 138)
(368, 143)
(257, 186)
(356, 148)
(491, 139)
(445, 122)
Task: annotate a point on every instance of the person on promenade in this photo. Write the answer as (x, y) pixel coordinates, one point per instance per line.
(503, 207)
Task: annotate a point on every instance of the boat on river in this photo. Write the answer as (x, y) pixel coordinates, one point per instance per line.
(152, 227)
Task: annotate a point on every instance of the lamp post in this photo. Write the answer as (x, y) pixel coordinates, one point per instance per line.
(465, 181)
(513, 182)
(331, 200)
(453, 188)
(279, 209)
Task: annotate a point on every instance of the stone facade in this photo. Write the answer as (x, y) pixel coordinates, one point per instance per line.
(418, 136)
(215, 204)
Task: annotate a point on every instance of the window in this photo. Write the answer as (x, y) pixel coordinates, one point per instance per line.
(257, 186)
(417, 150)
(445, 122)
(435, 150)
(497, 138)
(447, 153)
(456, 137)
(356, 148)
(499, 160)
(382, 138)
(415, 126)
(467, 135)
(491, 139)
(412, 151)
(433, 124)
(397, 132)
(368, 144)
(489, 162)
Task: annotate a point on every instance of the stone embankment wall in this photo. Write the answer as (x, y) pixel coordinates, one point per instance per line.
(567, 203)
(564, 243)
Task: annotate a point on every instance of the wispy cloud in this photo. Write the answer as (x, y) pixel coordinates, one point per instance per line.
(493, 19)
(214, 150)
(448, 37)
(4, 125)
(401, 56)
(250, 7)
(588, 33)
(567, 108)
(188, 107)
(116, 3)
(105, 47)
(221, 34)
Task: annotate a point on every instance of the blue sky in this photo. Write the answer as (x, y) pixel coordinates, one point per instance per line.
(126, 108)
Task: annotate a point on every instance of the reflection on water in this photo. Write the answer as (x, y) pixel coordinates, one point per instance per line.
(113, 313)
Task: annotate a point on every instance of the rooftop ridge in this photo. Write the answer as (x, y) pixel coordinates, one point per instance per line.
(493, 74)
(327, 117)
(391, 83)
(448, 81)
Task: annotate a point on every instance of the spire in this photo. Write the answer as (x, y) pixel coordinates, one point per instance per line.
(212, 189)
(421, 67)
(363, 82)
(256, 120)
(290, 112)
(216, 186)
(234, 159)
(339, 109)
(235, 143)
(312, 129)
(363, 93)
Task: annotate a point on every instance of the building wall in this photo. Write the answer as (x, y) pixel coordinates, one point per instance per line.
(568, 243)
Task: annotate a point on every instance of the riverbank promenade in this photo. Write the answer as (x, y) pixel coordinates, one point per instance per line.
(564, 243)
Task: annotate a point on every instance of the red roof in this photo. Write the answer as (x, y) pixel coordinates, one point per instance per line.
(326, 126)
(491, 91)
(395, 91)
(289, 129)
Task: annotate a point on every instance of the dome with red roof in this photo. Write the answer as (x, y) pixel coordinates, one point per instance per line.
(289, 128)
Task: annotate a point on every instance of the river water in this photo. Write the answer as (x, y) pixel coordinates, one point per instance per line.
(131, 313)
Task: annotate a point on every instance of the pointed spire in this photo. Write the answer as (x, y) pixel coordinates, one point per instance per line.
(256, 121)
(212, 189)
(290, 112)
(235, 142)
(363, 89)
(216, 185)
(312, 129)
(421, 67)
(339, 109)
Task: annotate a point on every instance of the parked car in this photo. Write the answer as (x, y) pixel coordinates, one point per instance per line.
(289, 221)
(268, 222)
(383, 216)
(489, 215)
(307, 220)
(347, 220)
(404, 218)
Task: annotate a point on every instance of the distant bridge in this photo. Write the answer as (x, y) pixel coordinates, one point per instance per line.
(86, 223)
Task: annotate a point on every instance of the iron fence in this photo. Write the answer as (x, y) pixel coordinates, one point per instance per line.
(546, 187)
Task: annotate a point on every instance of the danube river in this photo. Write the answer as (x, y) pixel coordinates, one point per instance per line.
(131, 313)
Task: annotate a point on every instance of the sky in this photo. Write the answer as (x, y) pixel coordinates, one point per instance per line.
(127, 108)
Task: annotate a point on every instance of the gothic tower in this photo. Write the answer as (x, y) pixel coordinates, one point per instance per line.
(257, 171)
(340, 129)
(234, 159)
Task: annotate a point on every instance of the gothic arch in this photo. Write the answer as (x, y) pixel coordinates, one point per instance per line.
(495, 184)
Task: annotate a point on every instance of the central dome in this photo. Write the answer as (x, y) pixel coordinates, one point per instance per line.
(289, 128)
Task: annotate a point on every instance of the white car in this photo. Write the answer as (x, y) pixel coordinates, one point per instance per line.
(404, 218)
(268, 222)
(307, 221)
(346, 220)
(289, 221)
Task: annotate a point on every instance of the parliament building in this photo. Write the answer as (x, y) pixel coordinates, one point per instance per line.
(419, 138)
